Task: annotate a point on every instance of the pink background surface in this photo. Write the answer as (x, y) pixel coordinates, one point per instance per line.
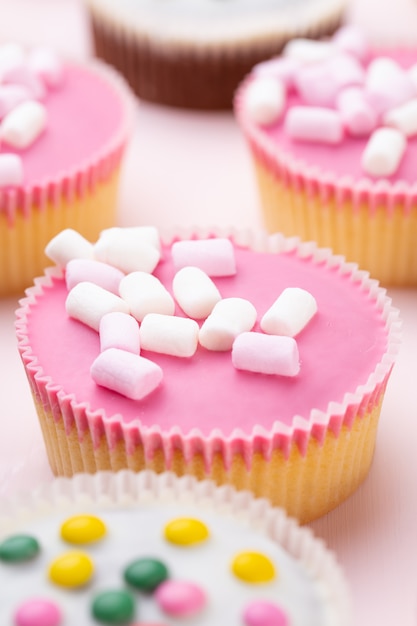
(374, 533)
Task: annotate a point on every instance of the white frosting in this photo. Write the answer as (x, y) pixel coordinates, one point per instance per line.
(206, 22)
(236, 523)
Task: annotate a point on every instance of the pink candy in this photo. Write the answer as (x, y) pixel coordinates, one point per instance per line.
(351, 39)
(314, 124)
(180, 599)
(358, 117)
(11, 96)
(38, 612)
(102, 274)
(128, 374)
(263, 613)
(215, 257)
(266, 354)
(387, 85)
(119, 330)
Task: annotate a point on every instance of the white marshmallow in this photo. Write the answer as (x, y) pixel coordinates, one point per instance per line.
(87, 303)
(316, 124)
(290, 312)
(46, 64)
(11, 170)
(266, 354)
(282, 68)
(11, 96)
(23, 124)
(128, 254)
(144, 294)
(229, 318)
(403, 118)
(168, 334)
(11, 55)
(128, 374)
(412, 73)
(102, 274)
(387, 84)
(138, 234)
(265, 100)
(308, 51)
(352, 40)
(23, 75)
(67, 245)
(195, 292)
(216, 256)
(119, 330)
(383, 152)
(358, 117)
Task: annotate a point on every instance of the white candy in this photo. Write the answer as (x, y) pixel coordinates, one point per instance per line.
(282, 68)
(11, 55)
(47, 65)
(128, 254)
(309, 50)
(352, 40)
(144, 294)
(102, 274)
(88, 302)
(119, 330)
(11, 170)
(67, 245)
(316, 124)
(358, 117)
(412, 73)
(403, 118)
(290, 313)
(266, 354)
(265, 100)
(128, 374)
(195, 292)
(168, 334)
(387, 84)
(138, 234)
(383, 152)
(11, 96)
(23, 124)
(228, 319)
(216, 257)
(23, 75)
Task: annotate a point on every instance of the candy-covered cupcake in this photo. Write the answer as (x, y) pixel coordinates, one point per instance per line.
(332, 129)
(194, 53)
(252, 360)
(145, 549)
(63, 131)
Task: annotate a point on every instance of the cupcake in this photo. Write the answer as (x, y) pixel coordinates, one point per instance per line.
(334, 147)
(63, 128)
(252, 360)
(194, 54)
(141, 548)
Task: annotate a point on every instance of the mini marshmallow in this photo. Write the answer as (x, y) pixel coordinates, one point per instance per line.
(387, 85)
(11, 96)
(144, 294)
(11, 55)
(265, 100)
(315, 124)
(195, 292)
(138, 234)
(281, 68)
(128, 374)
(412, 73)
(11, 170)
(383, 152)
(128, 254)
(308, 51)
(23, 124)
(47, 65)
(216, 257)
(266, 354)
(358, 117)
(290, 312)
(351, 39)
(102, 274)
(87, 303)
(119, 330)
(228, 319)
(168, 334)
(403, 118)
(23, 75)
(67, 245)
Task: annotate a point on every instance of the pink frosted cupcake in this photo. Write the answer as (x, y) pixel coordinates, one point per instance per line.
(185, 388)
(64, 127)
(203, 555)
(334, 147)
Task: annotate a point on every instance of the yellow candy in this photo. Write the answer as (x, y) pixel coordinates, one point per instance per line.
(72, 569)
(253, 567)
(83, 529)
(185, 531)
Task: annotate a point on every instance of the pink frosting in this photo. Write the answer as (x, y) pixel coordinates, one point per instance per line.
(339, 349)
(344, 159)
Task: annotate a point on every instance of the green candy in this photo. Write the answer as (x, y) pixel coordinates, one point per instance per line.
(18, 548)
(145, 574)
(113, 607)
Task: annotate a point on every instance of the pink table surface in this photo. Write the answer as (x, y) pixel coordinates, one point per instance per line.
(374, 533)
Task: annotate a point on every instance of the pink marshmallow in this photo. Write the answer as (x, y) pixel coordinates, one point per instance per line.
(23, 75)
(46, 64)
(102, 274)
(314, 124)
(119, 330)
(282, 68)
(351, 39)
(358, 117)
(11, 96)
(387, 85)
(128, 374)
(11, 170)
(266, 354)
(215, 257)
